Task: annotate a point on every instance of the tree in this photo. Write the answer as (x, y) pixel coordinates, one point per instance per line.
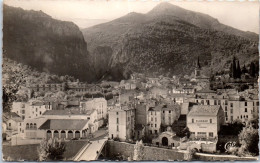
(138, 151)
(244, 70)
(238, 70)
(234, 71)
(248, 138)
(52, 149)
(252, 69)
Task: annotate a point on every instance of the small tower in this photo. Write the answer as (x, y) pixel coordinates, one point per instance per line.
(197, 68)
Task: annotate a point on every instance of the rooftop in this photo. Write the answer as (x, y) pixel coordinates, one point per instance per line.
(204, 110)
(64, 124)
(68, 112)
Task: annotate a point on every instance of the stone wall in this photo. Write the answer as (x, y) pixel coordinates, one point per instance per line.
(114, 148)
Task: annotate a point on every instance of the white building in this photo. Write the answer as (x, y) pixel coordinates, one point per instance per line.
(121, 123)
(204, 121)
(98, 104)
(30, 109)
(31, 127)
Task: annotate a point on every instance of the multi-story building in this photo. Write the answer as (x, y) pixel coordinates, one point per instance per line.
(170, 114)
(234, 106)
(140, 120)
(30, 109)
(122, 122)
(154, 119)
(204, 121)
(99, 104)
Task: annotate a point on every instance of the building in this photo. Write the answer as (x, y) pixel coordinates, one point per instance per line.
(204, 121)
(140, 120)
(156, 92)
(199, 77)
(170, 114)
(167, 138)
(99, 104)
(35, 128)
(183, 90)
(128, 84)
(30, 109)
(65, 128)
(122, 123)
(234, 106)
(154, 119)
(13, 122)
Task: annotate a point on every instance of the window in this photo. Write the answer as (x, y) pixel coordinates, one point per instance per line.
(257, 103)
(163, 111)
(245, 109)
(225, 108)
(152, 119)
(151, 132)
(116, 113)
(154, 113)
(155, 131)
(155, 125)
(9, 124)
(23, 111)
(192, 120)
(151, 113)
(169, 111)
(231, 118)
(128, 118)
(210, 134)
(226, 102)
(219, 103)
(226, 118)
(215, 102)
(117, 128)
(117, 120)
(245, 103)
(151, 125)
(40, 113)
(231, 104)
(155, 119)
(231, 111)
(225, 114)
(210, 120)
(20, 124)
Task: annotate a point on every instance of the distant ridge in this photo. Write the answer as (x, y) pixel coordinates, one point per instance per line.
(167, 40)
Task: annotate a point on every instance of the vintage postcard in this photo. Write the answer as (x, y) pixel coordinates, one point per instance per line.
(130, 80)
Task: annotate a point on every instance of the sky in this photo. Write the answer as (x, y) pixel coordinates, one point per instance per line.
(85, 13)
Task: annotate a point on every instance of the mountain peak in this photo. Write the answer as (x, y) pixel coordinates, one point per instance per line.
(166, 8)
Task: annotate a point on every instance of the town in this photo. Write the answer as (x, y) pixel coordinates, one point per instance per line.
(186, 115)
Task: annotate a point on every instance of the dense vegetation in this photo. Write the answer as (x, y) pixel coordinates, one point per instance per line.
(17, 76)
